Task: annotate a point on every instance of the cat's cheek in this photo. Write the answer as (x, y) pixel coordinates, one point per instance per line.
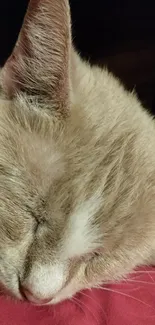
(10, 289)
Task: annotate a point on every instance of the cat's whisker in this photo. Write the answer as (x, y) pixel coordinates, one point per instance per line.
(84, 294)
(143, 272)
(86, 307)
(127, 296)
(150, 276)
(78, 303)
(139, 281)
(139, 274)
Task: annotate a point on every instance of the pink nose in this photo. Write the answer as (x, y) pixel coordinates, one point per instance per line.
(32, 298)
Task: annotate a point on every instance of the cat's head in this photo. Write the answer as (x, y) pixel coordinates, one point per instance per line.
(51, 224)
(41, 243)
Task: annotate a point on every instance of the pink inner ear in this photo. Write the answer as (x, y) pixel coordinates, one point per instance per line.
(12, 73)
(8, 83)
(39, 64)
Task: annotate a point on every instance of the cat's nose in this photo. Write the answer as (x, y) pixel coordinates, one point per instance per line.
(30, 296)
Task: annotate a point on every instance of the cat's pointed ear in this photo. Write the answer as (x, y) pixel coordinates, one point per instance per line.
(39, 64)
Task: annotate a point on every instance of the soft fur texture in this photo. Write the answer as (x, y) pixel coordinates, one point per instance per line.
(77, 167)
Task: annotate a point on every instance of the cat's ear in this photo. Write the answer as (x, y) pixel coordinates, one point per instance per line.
(39, 64)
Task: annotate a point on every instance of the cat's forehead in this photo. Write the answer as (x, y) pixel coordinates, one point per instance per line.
(27, 145)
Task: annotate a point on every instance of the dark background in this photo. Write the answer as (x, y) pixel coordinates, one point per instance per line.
(119, 34)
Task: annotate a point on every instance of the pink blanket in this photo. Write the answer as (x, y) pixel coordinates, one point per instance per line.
(128, 303)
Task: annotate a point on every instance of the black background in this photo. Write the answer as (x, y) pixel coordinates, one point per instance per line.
(119, 34)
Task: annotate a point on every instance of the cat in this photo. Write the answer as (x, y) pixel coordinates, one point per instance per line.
(77, 167)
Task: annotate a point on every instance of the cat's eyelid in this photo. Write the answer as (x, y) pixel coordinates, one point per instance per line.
(87, 256)
(38, 218)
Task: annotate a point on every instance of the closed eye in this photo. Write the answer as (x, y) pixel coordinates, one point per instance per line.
(37, 218)
(86, 257)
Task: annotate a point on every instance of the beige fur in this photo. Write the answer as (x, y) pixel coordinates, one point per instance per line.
(77, 167)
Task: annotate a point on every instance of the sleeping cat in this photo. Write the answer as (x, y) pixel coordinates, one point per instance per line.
(77, 167)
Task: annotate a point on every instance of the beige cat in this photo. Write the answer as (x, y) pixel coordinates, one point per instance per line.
(77, 167)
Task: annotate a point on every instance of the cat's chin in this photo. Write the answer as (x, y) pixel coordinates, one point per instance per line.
(59, 300)
(66, 294)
